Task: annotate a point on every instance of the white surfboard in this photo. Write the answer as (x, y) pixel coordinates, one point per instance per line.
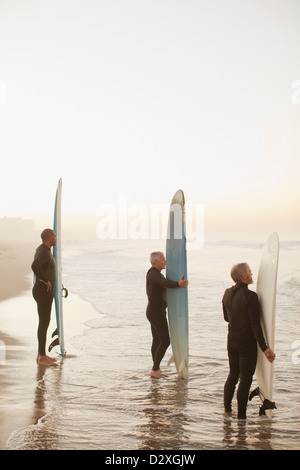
(266, 291)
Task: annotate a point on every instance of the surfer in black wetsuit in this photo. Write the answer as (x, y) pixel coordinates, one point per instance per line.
(242, 311)
(43, 267)
(156, 285)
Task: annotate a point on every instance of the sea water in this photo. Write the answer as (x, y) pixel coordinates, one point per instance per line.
(101, 397)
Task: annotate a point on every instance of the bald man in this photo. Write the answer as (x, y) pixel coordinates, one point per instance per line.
(43, 267)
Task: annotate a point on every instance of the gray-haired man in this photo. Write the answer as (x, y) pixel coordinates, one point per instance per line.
(242, 311)
(156, 285)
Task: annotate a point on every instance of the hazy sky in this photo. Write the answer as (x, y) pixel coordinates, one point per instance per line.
(138, 98)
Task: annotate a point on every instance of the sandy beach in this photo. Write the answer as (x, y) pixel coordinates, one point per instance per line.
(15, 262)
(22, 397)
(17, 366)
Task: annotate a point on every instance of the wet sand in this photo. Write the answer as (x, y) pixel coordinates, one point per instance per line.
(18, 383)
(22, 400)
(17, 366)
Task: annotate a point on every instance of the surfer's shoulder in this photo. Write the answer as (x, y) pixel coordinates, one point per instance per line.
(154, 276)
(153, 271)
(251, 295)
(42, 250)
(229, 291)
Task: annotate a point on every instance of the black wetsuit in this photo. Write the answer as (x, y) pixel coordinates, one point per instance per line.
(43, 267)
(241, 309)
(156, 285)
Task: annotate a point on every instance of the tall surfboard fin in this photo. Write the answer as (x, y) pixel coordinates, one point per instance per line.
(171, 361)
(266, 404)
(53, 344)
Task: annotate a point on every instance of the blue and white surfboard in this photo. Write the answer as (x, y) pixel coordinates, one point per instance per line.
(177, 299)
(59, 290)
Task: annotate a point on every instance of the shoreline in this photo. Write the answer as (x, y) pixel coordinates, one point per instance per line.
(16, 358)
(22, 402)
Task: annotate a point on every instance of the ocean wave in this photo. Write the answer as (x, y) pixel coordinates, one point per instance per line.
(290, 245)
(284, 244)
(290, 287)
(235, 243)
(31, 437)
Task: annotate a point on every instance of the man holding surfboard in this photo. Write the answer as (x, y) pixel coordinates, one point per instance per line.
(241, 310)
(156, 285)
(43, 267)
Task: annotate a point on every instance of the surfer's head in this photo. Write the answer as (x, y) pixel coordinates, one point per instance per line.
(158, 260)
(241, 273)
(48, 237)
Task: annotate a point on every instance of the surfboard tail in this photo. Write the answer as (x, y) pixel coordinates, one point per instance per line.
(171, 361)
(183, 370)
(267, 405)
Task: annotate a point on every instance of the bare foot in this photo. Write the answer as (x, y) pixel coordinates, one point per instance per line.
(50, 358)
(155, 374)
(46, 361)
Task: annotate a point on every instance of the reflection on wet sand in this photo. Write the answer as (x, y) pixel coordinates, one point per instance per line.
(46, 437)
(242, 434)
(43, 434)
(164, 409)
